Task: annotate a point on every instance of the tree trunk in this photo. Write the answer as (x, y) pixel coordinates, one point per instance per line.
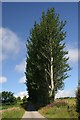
(52, 82)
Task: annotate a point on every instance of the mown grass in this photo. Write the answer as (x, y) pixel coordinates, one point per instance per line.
(60, 109)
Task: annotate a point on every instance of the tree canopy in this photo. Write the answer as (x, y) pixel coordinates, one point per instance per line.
(78, 102)
(47, 61)
(7, 98)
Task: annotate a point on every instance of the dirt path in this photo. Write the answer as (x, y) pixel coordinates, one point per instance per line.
(32, 113)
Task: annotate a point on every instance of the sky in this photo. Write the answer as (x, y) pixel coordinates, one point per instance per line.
(17, 21)
(40, 0)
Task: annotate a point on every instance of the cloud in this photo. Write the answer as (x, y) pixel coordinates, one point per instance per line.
(65, 93)
(9, 43)
(22, 94)
(73, 55)
(22, 80)
(3, 79)
(21, 67)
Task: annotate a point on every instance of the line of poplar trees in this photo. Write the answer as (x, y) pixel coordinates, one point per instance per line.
(47, 60)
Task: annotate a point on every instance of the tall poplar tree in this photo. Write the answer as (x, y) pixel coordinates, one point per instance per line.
(47, 61)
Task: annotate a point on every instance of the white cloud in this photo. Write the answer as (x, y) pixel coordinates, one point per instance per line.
(22, 80)
(22, 94)
(21, 67)
(79, 54)
(9, 43)
(65, 93)
(3, 79)
(73, 55)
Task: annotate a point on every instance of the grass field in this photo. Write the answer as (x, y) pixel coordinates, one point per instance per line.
(12, 111)
(60, 108)
(8, 106)
(65, 108)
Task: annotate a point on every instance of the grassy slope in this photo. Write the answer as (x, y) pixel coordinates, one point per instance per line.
(60, 111)
(8, 106)
(17, 113)
(12, 111)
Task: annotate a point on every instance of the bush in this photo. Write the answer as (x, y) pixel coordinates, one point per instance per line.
(58, 104)
(18, 99)
(24, 102)
(78, 102)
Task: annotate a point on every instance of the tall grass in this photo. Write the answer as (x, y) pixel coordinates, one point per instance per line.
(12, 111)
(15, 113)
(60, 109)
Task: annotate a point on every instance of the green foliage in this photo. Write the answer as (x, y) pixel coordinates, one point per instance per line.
(46, 42)
(0, 98)
(18, 99)
(24, 103)
(78, 101)
(7, 98)
(24, 100)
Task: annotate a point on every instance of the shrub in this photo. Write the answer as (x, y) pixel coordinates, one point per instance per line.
(78, 102)
(24, 100)
(58, 104)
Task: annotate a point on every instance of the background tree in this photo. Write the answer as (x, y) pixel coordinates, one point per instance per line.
(47, 65)
(24, 100)
(8, 98)
(0, 98)
(19, 99)
(78, 102)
